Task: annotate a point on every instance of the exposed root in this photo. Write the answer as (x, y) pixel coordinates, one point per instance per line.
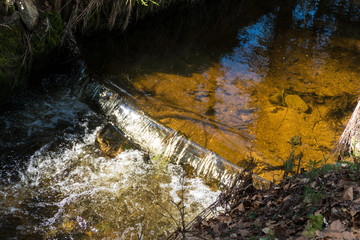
(4, 25)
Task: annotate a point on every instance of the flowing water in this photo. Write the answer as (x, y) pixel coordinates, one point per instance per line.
(56, 184)
(250, 86)
(245, 79)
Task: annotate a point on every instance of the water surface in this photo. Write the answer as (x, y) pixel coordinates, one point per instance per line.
(225, 84)
(56, 184)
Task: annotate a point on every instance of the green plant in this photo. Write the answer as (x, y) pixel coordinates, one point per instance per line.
(252, 216)
(289, 163)
(146, 2)
(11, 58)
(316, 223)
(354, 169)
(313, 164)
(314, 168)
(327, 168)
(295, 140)
(312, 196)
(51, 38)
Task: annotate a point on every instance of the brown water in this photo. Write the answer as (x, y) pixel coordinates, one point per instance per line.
(225, 85)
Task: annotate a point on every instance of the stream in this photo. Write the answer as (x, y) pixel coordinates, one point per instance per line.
(201, 97)
(241, 86)
(67, 189)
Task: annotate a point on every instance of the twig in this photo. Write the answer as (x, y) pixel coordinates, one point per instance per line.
(5, 25)
(170, 215)
(298, 167)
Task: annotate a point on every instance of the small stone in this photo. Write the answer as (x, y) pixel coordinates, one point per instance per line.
(296, 102)
(233, 235)
(112, 141)
(276, 99)
(28, 12)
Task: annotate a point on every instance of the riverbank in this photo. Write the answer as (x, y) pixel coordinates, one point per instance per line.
(320, 204)
(38, 34)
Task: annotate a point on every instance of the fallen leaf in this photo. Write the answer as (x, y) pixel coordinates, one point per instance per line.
(337, 226)
(220, 228)
(205, 223)
(334, 210)
(332, 235)
(353, 212)
(244, 233)
(286, 187)
(356, 221)
(282, 223)
(240, 207)
(271, 224)
(348, 235)
(287, 198)
(348, 194)
(266, 230)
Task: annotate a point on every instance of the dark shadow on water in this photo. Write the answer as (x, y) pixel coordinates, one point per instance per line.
(180, 41)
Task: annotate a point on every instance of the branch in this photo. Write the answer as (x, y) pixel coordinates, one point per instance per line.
(5, 25)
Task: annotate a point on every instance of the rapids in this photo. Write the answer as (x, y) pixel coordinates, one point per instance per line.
(56, 184)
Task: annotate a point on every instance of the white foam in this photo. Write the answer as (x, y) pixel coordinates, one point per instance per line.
(71, 181)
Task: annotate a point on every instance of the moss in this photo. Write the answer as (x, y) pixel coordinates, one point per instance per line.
(43, 44)
(11, 52)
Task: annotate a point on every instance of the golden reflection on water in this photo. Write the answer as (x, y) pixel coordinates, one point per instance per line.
(195, 106)
(235, 101)
(235, 116)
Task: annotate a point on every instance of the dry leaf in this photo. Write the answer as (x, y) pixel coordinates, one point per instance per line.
(356, 221)
(241, 207)
(220, 228)
(332, 235)
(205, 223)
(337, 226)
(287, 198)
(348, 236)
(266, 230)
(348, 194)
(334, 210)
(353, 212)
(244, 233)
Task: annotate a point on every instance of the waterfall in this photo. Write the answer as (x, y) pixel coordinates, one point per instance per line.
(152, 135)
